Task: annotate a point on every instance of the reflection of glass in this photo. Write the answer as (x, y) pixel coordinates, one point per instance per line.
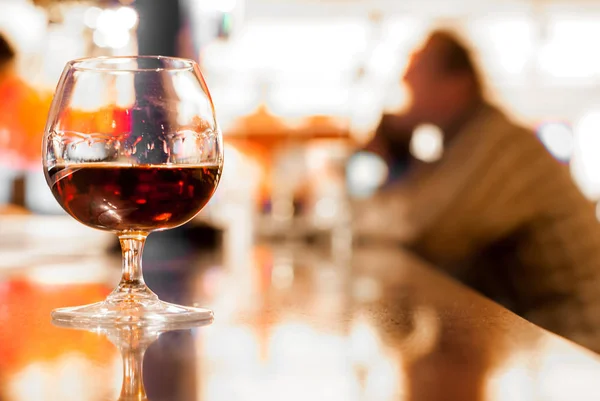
(148, 165)
(132, 341)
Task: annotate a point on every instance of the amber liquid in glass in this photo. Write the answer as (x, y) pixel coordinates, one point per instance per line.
(133, 198)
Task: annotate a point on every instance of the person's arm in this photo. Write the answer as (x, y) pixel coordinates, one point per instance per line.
(466, 198)
(392, 138)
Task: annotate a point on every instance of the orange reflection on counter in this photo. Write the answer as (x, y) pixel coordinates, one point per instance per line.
(36, 340)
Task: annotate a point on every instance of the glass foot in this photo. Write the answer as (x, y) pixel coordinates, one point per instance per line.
(129, 311)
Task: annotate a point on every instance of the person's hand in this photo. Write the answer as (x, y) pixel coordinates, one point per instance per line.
(393, 133)
(396, 127)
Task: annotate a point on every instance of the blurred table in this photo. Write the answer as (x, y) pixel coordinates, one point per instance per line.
(292, 323)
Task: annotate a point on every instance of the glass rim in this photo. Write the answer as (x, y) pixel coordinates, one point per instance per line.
(118, 64)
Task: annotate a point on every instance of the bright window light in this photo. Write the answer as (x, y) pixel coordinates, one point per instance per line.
(568, 52)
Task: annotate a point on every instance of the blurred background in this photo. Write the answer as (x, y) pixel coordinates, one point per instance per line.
(298, 85)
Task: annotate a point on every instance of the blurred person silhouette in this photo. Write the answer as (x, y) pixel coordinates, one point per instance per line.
(496, 211)
(7, 68)
(23, 112)
(7, 59)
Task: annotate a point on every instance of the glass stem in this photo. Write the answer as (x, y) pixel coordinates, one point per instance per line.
(133, 382)
(132, 286)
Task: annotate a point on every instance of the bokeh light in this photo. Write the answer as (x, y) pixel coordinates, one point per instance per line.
(427, 143)
(366, 172)
(558, 139)
(586, 163)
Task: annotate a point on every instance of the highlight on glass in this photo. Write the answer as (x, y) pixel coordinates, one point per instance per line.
(132, 146)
